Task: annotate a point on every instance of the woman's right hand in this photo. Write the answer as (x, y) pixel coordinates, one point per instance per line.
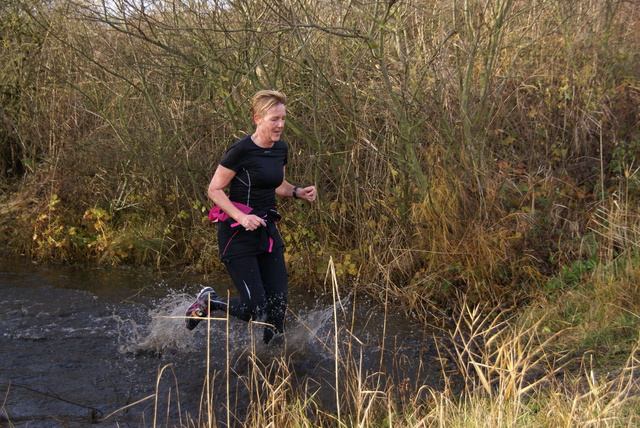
(252, 222)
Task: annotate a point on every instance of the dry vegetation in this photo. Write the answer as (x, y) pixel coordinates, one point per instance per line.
(478, 148)
(496, 370)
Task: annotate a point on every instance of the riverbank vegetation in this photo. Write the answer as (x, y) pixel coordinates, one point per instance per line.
(495, 369)
(464, 150)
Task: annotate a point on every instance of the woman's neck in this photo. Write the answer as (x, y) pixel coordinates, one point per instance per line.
(260, 143)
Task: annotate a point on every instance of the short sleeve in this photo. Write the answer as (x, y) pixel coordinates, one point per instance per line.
(233, 158)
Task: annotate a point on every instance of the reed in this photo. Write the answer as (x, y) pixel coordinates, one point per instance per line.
(498, 367)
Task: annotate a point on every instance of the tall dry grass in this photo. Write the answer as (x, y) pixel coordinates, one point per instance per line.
(496, 369)
(461, 146)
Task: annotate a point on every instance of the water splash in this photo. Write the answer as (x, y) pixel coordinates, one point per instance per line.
(309, 333)
(162, 328)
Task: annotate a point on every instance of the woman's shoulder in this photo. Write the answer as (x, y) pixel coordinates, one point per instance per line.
(240, 146)
(235, 154)
(242, 142)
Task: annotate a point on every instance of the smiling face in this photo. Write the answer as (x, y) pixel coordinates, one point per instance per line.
(270, 124)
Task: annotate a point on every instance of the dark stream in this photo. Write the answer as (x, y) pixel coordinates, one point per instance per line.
(77, 346)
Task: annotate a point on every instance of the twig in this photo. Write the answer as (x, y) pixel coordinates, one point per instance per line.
(55, 396)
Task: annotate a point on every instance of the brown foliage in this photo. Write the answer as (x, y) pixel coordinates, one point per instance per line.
(454, 149)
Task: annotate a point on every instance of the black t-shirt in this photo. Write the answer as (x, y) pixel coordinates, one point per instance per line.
(259, 172)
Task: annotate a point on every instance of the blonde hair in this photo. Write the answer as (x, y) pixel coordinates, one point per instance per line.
(265, 99)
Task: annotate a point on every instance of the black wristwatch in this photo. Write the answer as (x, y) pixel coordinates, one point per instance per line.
(295, 194)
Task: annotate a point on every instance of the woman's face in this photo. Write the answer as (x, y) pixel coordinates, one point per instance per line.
(270, 124)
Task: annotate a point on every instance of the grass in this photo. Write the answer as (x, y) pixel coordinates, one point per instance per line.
(499, 367)
(494, 183)
(571, 361)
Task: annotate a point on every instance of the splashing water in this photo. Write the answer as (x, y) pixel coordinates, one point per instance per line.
(310, 333)
(165, 331)
(162, 330)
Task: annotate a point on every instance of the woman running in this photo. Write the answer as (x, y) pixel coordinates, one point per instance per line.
(250, 246)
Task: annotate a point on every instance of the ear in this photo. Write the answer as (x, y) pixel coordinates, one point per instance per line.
(257, 118)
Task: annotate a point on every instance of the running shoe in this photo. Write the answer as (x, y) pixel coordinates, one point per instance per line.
(200, 308)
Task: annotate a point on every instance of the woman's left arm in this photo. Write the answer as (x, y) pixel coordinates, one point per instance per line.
(288, 190)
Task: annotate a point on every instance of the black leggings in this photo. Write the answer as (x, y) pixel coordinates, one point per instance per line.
(261, 281)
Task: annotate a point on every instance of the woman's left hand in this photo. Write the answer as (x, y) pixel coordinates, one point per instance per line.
(308, 193)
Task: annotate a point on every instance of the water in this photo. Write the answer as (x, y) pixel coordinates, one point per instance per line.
(81, 345)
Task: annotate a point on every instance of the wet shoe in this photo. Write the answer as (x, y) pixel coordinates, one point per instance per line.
(200, 308)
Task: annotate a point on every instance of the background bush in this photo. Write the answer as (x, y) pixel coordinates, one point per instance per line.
(462, 145)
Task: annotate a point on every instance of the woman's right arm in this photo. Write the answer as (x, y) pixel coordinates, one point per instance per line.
(221, 179)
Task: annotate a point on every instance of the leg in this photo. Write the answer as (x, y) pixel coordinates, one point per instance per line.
(262, 284)
(245, 274)
(274, 277)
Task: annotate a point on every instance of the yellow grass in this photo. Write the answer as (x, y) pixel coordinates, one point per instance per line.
(500, 369)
